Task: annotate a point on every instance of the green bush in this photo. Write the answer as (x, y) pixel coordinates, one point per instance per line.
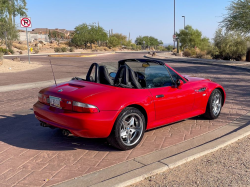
(71, 49)
(133, 46)
(230, 45)
(4, 51)
(138, 47)
(57, 49)
(64, 49)
(193, 52)
(169, 48)
(11, 51)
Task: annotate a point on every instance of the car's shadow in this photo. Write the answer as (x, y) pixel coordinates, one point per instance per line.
(24, 131)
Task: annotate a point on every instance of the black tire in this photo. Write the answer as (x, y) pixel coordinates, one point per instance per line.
(213, 110)
(135, 131)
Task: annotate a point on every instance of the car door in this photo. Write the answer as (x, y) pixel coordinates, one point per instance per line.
(169, 100)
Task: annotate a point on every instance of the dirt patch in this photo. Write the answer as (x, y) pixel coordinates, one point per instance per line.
(8, 66)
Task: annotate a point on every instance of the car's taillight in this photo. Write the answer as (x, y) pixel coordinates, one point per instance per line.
(85, 108)
(40, 97)
(69, 104)
(43, 98)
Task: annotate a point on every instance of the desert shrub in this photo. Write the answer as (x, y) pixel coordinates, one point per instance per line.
(64, 49)
(100, 48)
(138, 47)
(187, 53)
(115, 49)
(36, 51)
(20, 52)
(175, 50)
(71, 49)
(201, 54)
(193, 52)
(57, 49)
(19, 46)
(105, 48)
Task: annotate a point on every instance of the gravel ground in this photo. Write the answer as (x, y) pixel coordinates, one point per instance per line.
(9, 66)
(229, 166)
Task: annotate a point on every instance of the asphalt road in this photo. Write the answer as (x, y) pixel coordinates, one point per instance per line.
(63, 67)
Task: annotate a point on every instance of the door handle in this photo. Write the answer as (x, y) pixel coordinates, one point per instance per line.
(159, 96)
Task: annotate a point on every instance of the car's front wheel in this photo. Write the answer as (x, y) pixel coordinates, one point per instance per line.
(128, 129)
(214, 105)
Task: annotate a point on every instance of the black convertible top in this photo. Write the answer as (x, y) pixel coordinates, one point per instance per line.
(143, 60)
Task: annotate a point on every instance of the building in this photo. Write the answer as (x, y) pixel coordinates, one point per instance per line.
(45, 31)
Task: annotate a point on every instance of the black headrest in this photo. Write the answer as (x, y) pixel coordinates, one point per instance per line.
(133, 79)
(122, 76)
(89, 77)
(104, 76)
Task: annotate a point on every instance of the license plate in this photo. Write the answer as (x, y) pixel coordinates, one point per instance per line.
(55, 101)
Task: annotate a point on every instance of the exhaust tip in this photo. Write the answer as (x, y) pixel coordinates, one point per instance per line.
(66, 132)
(43, 124)
(46, 125)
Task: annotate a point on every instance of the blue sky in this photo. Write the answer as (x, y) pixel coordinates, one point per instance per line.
(139, 17)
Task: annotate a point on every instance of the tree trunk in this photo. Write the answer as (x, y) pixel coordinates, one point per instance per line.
(248, 56)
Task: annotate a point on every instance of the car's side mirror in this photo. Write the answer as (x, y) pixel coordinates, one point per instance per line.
(112, 74)
(179, 83)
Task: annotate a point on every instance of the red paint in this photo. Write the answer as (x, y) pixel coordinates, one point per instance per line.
(175, 105)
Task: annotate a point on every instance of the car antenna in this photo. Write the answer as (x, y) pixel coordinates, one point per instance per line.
(53, 72)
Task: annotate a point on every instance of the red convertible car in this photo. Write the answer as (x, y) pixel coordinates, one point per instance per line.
(120, 106)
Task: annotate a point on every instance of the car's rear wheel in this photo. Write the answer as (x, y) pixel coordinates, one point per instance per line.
(128, 129)
(214, 105)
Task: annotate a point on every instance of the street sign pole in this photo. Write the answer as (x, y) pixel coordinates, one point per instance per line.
(28, 44)
(26, 22)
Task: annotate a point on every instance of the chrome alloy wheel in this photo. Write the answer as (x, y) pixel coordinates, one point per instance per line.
(131, 129)
(216, 104)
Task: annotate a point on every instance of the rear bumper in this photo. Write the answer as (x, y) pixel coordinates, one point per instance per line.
(95, 125)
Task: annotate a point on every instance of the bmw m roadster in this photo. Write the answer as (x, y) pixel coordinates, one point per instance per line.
(122, 104)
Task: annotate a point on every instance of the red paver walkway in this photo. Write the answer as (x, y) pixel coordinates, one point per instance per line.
(34, 156)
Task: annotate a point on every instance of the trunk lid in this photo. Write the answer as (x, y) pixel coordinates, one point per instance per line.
(76, 90)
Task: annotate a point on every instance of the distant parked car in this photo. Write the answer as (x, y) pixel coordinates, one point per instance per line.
(120, 106)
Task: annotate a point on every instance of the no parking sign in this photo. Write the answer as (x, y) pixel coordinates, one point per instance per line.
(26, 22)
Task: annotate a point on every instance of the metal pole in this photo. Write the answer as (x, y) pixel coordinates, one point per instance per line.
(184, 22)
(28, 44)
(174, 22)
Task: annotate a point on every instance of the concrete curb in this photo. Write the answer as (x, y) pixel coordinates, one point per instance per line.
(142, 167)
(131, 51)
(78, 55)
(40, 54)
